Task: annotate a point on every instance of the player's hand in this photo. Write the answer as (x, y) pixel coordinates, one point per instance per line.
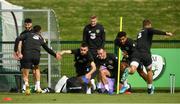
(169, 33)
(20, 55)
(125, 54)
(15, 56)
(58, 56)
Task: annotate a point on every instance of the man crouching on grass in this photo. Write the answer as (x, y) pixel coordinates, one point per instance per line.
(84, 62)
(108, 67)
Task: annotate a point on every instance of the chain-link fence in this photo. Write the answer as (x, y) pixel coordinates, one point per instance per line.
(11, 25)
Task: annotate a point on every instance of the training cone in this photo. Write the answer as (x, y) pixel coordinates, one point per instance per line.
(7, 99)
(128, 92)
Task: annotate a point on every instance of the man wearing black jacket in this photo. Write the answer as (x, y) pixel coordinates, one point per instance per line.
(143, 53)
(28, 28)
(30, 55)
(94, 36)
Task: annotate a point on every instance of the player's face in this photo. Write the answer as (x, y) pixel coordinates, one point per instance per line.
(148, 26)
(93, 22)
(27, 26)
(83, 50)
(123, 40)
(101, 54)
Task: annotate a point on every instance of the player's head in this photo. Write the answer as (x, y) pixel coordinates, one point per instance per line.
(101, 53)
(147, 23)
(28, 24)
(36, 29)
(84, 49)
(121, 36)
(93, 20)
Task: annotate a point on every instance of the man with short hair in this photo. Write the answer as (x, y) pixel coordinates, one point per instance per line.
(143, 53)
(94, 35)
(30, 55)
(18, 44)
(127, 46)
(108, 67)
(84, 62)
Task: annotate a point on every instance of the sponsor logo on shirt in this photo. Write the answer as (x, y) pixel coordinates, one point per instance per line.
(36, 37)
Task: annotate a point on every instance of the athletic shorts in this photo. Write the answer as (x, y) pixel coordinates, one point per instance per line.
(80, 71)
(142, 57)
(30, 59)
(128, 61)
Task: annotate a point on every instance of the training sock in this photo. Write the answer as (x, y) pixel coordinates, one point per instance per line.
(106, 87)
(23, 87)
(37, 85)
(149, 86)
(99, 85)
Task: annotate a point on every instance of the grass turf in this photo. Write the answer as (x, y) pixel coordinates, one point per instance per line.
(93, 98)
(73, 15)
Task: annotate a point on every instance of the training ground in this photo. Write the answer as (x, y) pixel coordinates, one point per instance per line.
(159, 97)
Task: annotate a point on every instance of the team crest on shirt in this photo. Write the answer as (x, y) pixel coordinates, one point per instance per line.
(110, 67)
(127, 48)
(158, 66)
(97, 31)
(36, 37)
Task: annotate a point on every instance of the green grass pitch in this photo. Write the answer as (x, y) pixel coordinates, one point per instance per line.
(93, 98)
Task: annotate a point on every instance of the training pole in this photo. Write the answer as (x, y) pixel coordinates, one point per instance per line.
(119, 59)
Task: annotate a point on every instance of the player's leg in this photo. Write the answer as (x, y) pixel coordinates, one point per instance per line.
(141, 72)
(36, 68)
(150, 80)
(129, 70)
(34, 76)
(147, 62)
(26, 65)
(25, 73)
(125, 86)
(104, 74)
(38, 78)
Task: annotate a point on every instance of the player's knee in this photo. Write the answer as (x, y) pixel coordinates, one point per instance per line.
(36, 67)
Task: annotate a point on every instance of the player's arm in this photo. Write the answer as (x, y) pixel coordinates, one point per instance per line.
(85, 35)
(93, 69)
(16, 44)
(66, 52)
(159, 32)
(102, 34)
(18, 47)
(132, 45)
(103, 37)
(116, 46)
(47, 49)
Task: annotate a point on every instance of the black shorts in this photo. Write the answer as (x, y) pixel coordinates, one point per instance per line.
(142, 57)
(128, 61)
(30, 59)
(80, 71)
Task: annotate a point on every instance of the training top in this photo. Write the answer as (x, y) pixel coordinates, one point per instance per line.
(94, 36)
(33, 42)
(144, 39)
(110, 62)
(82, 61)
(18, 39)
(129, 46)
